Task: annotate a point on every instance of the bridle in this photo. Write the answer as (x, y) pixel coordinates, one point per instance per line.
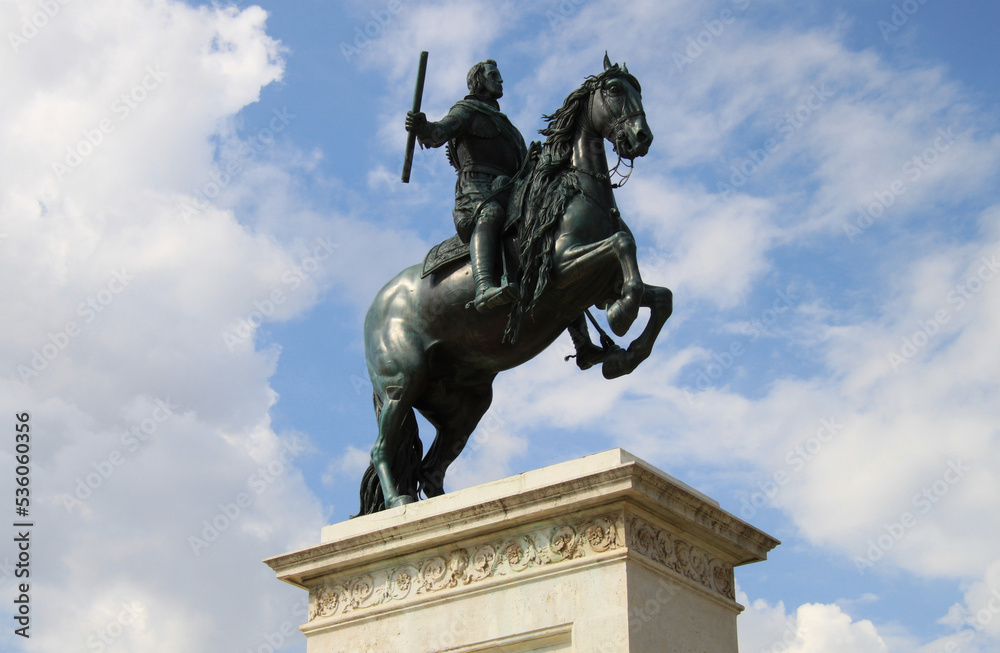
(615, 131)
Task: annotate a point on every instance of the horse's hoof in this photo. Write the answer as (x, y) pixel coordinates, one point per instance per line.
(401, 500)
(620, 317)
(617, 364)
(431, 491)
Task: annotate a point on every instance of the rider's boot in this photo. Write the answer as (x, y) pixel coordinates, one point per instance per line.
(484, 249)
(587, 353)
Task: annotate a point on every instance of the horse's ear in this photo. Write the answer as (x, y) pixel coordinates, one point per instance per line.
(624, 67)
(607, 61)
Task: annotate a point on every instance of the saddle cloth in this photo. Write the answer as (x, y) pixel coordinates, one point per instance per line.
(443, 254)
(453, 249)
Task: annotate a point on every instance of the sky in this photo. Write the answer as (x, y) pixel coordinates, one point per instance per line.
(199, 200)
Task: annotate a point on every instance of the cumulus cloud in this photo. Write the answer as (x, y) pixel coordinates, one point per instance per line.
(979, 616)
(160, 483)
(811, 628)
(151, 233)
(887, 449)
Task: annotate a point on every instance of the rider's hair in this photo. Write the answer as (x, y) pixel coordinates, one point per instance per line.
(476, 79)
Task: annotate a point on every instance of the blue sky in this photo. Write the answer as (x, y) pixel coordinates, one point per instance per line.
(198, 201)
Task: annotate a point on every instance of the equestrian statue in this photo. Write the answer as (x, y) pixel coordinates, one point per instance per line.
(539, 241)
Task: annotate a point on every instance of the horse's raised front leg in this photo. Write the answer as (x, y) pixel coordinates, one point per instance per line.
(581, 262)
(623, 361)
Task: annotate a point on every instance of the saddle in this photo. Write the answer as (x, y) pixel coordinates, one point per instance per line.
(453, 250)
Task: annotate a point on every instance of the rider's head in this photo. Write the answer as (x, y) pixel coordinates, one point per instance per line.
(484, 80)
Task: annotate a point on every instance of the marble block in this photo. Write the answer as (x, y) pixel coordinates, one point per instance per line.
(604, 554)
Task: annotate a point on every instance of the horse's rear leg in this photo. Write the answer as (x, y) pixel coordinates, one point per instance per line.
(455, 422)
(388, 445)
(399, 379)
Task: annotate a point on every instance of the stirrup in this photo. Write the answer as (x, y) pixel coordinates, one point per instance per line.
(494, 296)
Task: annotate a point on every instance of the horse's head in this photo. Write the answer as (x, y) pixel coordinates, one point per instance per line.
(616, 111)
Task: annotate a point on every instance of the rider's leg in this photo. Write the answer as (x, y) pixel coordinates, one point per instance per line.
(484, 249)
(587, 353)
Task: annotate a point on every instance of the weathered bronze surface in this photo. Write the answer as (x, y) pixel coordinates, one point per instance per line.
(435, 342)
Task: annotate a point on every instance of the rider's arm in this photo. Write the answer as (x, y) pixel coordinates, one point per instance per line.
(436, 134)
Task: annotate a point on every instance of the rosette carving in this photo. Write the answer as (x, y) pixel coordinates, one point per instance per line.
(520, 553)
(326, 601)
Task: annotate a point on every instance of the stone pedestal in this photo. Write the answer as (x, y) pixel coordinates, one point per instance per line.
(604, 554)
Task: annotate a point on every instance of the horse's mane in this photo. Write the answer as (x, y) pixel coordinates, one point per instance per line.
(551, 186)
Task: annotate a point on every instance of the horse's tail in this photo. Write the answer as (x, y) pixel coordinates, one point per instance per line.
(406, 465)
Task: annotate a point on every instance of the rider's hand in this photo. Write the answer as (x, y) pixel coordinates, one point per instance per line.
(415, 120)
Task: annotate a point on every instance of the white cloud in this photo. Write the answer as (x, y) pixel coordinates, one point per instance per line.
(73, 238)
(351, 464)
(911, 463)
(885, 467)
(981, 612)
(156, 466)
(812, 628)
(713, 249)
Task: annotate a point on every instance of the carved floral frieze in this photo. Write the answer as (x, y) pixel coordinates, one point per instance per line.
(679, 556)
(466, 566)
(514, 554)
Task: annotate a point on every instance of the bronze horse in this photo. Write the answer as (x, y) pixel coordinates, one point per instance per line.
(426, 350)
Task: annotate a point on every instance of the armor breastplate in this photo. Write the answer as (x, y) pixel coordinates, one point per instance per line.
(482, 146)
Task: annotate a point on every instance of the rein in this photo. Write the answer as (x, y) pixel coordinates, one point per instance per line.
(614, 129)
